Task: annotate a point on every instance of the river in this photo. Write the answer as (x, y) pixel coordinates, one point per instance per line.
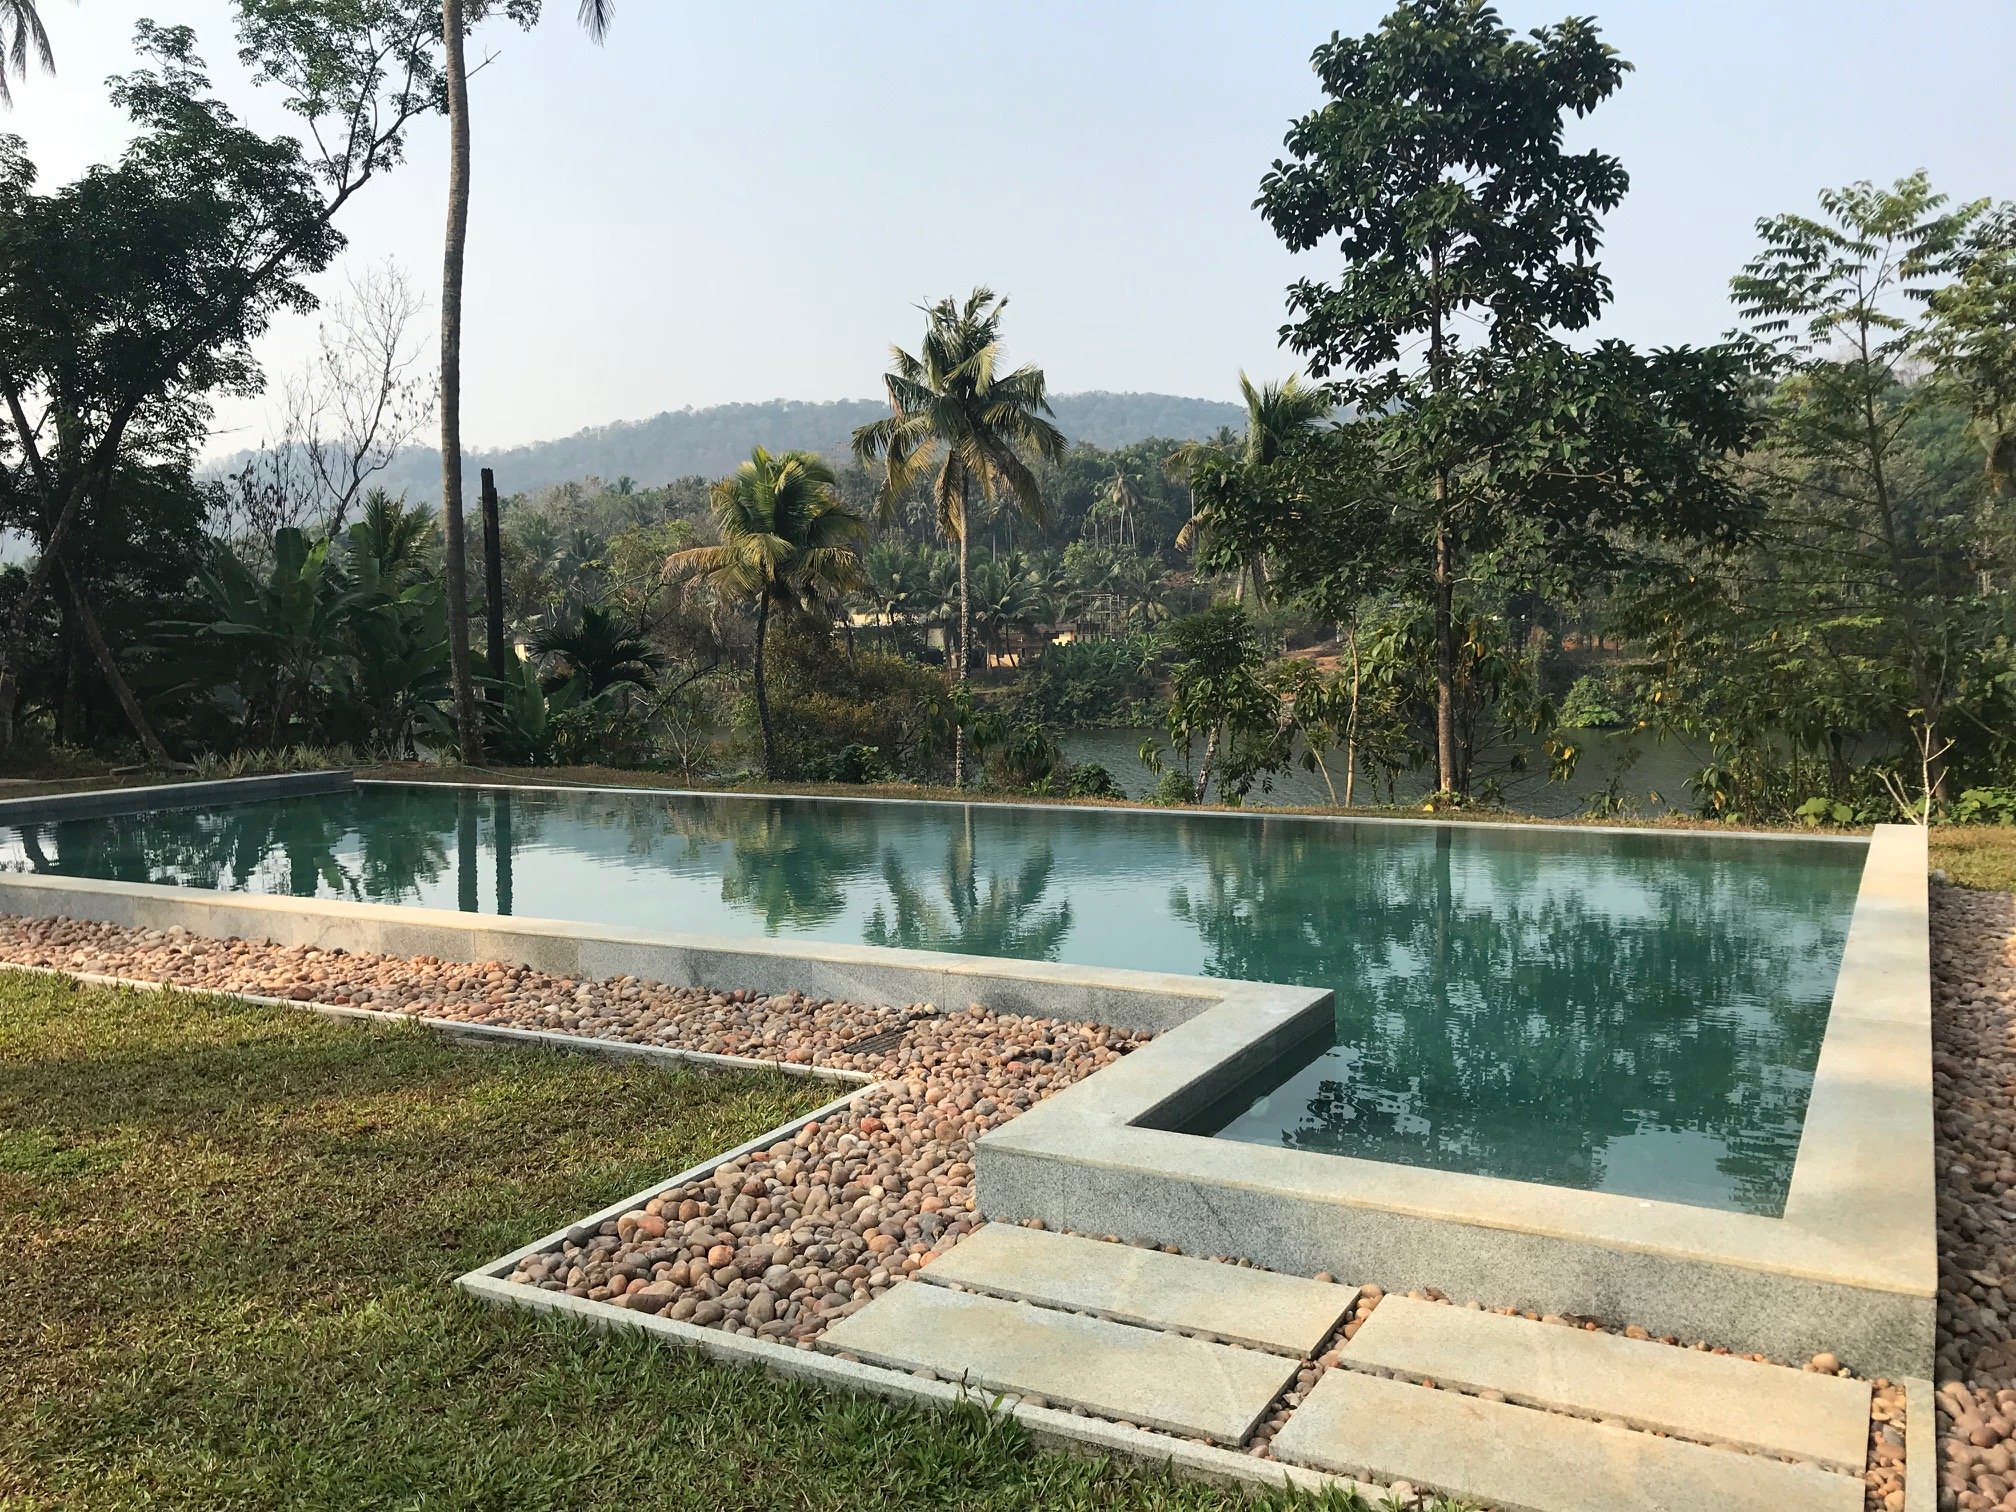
(1650, 773)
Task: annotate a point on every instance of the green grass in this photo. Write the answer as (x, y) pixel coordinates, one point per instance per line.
(1976, 856)
(226, 1240)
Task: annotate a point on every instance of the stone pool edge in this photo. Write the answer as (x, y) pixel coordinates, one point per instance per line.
(1851, 1267)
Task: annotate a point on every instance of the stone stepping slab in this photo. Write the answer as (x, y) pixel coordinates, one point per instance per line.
(1518, 1459)
(1715, 1398)
(1261, 1309)
(1158, 1380)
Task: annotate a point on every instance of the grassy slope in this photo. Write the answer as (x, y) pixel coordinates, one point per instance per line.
(226, 1238)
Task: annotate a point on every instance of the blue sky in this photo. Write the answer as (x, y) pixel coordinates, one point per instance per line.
(742, 202)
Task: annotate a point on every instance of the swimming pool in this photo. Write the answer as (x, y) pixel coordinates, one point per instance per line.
(1618, 1012)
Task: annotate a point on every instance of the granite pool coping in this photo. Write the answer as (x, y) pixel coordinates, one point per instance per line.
(1851, 1266)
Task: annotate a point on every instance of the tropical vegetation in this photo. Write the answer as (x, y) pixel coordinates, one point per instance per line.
(1466, 547)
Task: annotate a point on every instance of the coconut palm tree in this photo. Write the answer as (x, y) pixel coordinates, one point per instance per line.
(1274, 413)
(950, 408)
(21, 32)
(785, 538)
(595, 17)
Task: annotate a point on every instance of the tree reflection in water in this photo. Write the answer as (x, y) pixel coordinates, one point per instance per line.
(787, 865)
(1640, 1017)
(1008, 917)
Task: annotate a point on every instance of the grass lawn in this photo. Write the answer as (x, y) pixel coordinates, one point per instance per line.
(1976, 855)
(226, 1238)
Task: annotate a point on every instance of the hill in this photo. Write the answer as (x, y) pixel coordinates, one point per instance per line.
(711, 441)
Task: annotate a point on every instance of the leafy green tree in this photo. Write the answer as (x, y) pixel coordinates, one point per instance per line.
(1276, 415)
(1217, 692)
(784, 539)
(952, 410)
(1437, 166)
(1872, 614)
(134, 293)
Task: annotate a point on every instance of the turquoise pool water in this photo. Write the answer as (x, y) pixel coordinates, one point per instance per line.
(1625, 1013)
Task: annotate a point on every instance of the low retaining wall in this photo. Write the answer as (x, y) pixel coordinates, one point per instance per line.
(1143, 1001)
(50, 807)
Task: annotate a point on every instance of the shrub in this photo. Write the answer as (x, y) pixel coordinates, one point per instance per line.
(1991, 805)
(1590, 705)
(1083, 683)
(822, 702)
(1088, 779)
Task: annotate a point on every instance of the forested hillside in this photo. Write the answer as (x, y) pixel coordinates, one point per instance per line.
(711, 441)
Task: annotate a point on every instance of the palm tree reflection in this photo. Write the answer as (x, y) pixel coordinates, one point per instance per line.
(1004, 916)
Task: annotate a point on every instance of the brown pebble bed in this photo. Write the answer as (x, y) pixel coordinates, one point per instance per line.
(785, 1241)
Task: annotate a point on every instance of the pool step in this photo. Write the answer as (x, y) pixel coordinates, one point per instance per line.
(1140, 1375)
(1256, 1308)
(1714, 1398)
(1519, 1459)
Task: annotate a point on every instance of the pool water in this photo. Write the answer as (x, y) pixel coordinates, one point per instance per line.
(1624, 1013)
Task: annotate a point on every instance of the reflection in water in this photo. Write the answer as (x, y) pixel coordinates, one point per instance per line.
(1007, 917)
(1626, 1013)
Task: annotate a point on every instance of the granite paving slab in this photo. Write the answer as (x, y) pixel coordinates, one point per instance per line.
(1520, 1459)
(1139, 1375)
(1716, 1398)
(1262, 1309)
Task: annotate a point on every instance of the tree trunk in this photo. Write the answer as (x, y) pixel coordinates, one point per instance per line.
(1204, 771)
(1445, 651)
(493, 576)
(1351, 720)
(468, 726)
(762, 690)
(965, 642)
(121, 689)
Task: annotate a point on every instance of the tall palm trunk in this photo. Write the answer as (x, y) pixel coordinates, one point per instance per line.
(762, 688)
(965, 634)
(468, 727)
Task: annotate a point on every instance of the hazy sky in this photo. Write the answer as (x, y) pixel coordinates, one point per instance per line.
(744, 202)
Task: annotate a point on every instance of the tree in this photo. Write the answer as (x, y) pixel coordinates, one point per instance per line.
(1438, 166)
(1216, 690)
(21, 32)
(1870, 609)
(950, 407)
(785, 538)
(344, 417)
(1276, 413)
(133, 294)
(595, 16)
(603, 650)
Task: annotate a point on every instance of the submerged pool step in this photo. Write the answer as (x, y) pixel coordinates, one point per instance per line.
(1260, 1309)
(1140, 1375)
(1715, 1398)
(1519, 1459)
